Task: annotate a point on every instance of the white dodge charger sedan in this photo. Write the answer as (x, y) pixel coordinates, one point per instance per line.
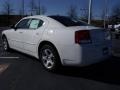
(58, 40)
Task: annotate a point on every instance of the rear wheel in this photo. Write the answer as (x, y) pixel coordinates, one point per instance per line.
(5, 44)
(49, 58)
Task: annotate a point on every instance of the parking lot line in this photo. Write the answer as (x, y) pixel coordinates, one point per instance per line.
(9, 57)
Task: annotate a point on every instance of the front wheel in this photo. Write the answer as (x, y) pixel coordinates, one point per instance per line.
(49, 58)
(5, 44)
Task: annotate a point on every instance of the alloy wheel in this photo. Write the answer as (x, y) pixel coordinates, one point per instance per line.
(48, 58)
(5, 44)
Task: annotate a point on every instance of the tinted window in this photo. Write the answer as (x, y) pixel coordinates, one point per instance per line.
(66, 21)
(24, 24)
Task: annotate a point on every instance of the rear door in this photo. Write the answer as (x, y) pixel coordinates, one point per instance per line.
(32, 35)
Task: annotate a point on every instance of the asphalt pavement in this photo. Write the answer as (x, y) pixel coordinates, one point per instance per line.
(26, 73)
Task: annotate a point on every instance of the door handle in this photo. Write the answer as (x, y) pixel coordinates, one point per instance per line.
(20, 32)
(37, 33)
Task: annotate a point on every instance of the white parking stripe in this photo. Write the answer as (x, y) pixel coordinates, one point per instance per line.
(9, 57)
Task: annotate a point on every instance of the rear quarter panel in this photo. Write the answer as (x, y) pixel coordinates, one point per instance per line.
(63, 40)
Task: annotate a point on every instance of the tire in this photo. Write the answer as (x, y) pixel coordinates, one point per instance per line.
(5, 44)
(49, 58)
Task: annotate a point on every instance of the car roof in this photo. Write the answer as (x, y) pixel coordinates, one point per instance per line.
(35, 16)
(51, 21)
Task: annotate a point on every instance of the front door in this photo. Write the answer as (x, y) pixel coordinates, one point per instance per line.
(33, 35)
(22, 26)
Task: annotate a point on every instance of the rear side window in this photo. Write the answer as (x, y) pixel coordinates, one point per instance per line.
(35, 23)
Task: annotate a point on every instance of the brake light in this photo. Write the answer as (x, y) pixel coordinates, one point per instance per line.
(82, 36)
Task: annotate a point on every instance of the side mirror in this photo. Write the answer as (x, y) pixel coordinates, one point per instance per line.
(13, 27)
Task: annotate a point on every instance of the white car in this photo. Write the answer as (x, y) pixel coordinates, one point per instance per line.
(58, 40)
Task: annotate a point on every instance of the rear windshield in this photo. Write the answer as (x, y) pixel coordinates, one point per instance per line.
(66, 21)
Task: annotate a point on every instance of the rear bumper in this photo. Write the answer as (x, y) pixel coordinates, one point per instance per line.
(83, 55)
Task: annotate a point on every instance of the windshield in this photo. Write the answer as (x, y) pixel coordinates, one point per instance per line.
(66, 21)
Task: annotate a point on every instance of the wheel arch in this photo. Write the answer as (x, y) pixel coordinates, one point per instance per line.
(48, 43)
(3, 35)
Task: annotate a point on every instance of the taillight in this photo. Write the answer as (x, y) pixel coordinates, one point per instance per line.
(82, 36)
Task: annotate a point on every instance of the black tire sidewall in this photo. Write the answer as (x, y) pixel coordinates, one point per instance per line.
(4, 38)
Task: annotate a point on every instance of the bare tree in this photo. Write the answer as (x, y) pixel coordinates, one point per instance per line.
(22, 8)
(84, 14)
(7, 8)
(103, 14)
(36, 8)
(104, 17)
(40, 9)
(32, 6)
(115, 16)
(72, 12)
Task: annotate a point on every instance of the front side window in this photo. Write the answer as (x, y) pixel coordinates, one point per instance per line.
(24, 24)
